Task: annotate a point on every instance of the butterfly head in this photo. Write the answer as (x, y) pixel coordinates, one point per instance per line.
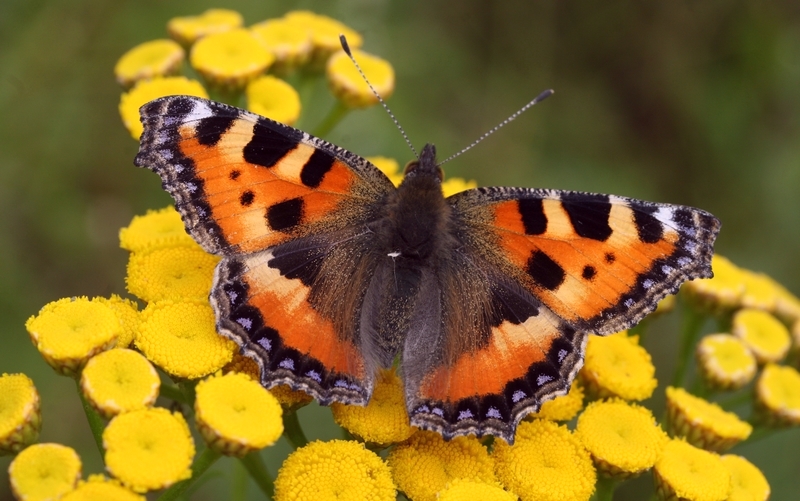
(425, 165)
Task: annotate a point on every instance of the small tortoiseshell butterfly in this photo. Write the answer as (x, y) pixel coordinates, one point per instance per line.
(329, 272)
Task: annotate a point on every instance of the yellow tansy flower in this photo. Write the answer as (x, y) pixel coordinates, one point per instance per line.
(686, 472)
(703, 423)
(157, 228)
(778, 395)
(787, 305)
(44, 472)
(470, 490)
(243, 365)
(189, 29)
(324, 34)
(20, 413)
(564, 407)
(384, 420)
(146, 90)
(69, 331)
(424, 464)
(290, 399)
(720, 293)
(230, 60)
(181, 338)
(273, 98)
(546, 463)
(119, 380)
(759, 291)
(616, 366)
(455, 185)
(148, 449)
(747, 481)
(725, 361)
(623, 439)
(236, 415)
(349, 87)
(388, 166)
(290, 45)
(100, 488)
(332, 471)
(156, 58)
(179, 272)
(128, 314)
(764, 334)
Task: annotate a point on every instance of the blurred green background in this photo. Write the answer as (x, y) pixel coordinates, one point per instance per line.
(687, 102)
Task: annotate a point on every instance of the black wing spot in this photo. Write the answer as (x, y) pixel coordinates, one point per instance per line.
(268, 146)
(211, 129)
(315, 168)
(588, 214)
(234, 175)
(246, 199)
(285, 215)
(545, 271)
(533, 217)
(610, 257)
(589, 272)
(649, 228)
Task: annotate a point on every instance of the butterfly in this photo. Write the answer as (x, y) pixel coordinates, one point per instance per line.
(330, 273)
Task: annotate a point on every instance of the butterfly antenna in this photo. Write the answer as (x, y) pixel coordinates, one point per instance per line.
(346, 48)
(541, 97)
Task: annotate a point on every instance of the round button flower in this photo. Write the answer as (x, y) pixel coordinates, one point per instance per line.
(119, 380)
(290, 45)
(686, 472)
(69, 331)
(99, 488)
(229, 60)
(424, 464)
(623, 439)
(20, 414)
(330, 471)
(616, 366)
(384, 420)
(128, 314)
(157, 228)
(725, 361)
(562, 408)
(747, 481)
(324, 34)
(146, 90)
(148, 449)
(470, 490)
(181, 338)
(236, 415)
(778, 395)
(702, 423)
(720, 293)
(188, 29)
(156, 58)
(764, 334)
(44, 471)
(177, 272)
(349, 86)
(273, 98)
(546, 463)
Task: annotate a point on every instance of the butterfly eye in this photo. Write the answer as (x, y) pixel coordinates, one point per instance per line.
(411, 168)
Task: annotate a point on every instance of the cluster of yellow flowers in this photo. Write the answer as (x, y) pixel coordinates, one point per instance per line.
(123, 354)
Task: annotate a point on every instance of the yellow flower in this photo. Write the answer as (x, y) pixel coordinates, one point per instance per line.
(148, 449)
(157, 228)
(44, 472)
(424, 464)
(778, 395)
(230, 60)
(189, 29)
(546, 463)
(703, 423)
(384, 420)
(623, 439)
(720, 293)
(759, 291)
(100, 488)
(331, 471)
(289, 399)
(787, 305)
(725, 361)
(747, 481)
(562, 408)
(616, 366)
(455, 185)
(146, 90)
(764, 334)
(471, 490)
(236, 415)
(20, 413)
(156, 58)
(324, 34)
(350, 88)
(181, 338)
(179, 272)
(273, 98)
(128, 314)
(388, 166)
(686, 472)
(119, 380)
(69, 331)
(290, 45)
(243, 365)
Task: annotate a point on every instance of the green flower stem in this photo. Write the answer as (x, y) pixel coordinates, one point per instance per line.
(96, 421)
(173, 393)
(239, 488)
(187, 388)
(605, 489)
(692, 322)
(293, 431)
(337, 113)
(254, 465)
(202, 462)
